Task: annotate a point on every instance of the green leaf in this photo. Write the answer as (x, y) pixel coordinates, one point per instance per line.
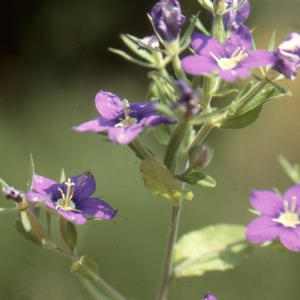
(240, 121)
(244, 91)
(160, 181)
(263, 97)
(199, 178)
(71, 233)
(213, 248)
(20, 228)
(291, 170)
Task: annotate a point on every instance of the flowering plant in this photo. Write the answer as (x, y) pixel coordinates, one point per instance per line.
(190, 68)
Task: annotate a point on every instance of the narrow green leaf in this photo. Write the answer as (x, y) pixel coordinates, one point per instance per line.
(263, 97)
(131, 59)
(240, 121)
(244, 91)
(291, 170)
(271, 45)
(134, 47)
(225, 91)
(160, 181)
(188, 32)
(213, 248)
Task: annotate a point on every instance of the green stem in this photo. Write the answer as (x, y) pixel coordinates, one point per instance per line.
(167, 269)
(178, 68)
(139, 149)
(171, 153)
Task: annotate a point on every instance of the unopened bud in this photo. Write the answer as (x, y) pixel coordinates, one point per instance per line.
(11, 193)
(200, 156)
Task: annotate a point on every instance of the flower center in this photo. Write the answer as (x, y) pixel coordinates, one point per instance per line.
(290, 217)
(127, 121)
(66, 202)
(230, 63)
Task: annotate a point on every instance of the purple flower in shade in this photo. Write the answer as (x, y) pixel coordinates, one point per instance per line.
(124, 122)
(233, 19)
(288, 56)
(72, 198)
(231, 60)
(189, 102)
(209, 296)
(167, 19)
(280, 217)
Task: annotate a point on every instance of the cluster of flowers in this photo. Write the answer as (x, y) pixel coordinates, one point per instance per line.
(230, 60)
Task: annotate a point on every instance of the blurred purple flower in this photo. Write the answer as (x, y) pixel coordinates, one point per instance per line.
(231, 60)
(124, 122)
(167, 19)
(209, 296)
(72, 198)
(288, 56)
(233, 19)
(280, 217)
(189, 102)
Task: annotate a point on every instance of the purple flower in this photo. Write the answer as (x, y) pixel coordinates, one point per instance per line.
(280, 217)
(167, 19)
(189, 102)
(233, 19)
(288, 56)
(124, 122)
(231, 60)
(209, 296)
(72, 198)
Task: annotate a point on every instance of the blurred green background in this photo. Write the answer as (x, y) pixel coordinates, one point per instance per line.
(53, 60)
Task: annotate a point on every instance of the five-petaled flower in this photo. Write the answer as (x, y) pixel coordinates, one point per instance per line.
(280, 217)
(209, 296)
(233, 19)
(123, 121)
(167, 19)
(231, 60)
(72, 198)
(288, 56)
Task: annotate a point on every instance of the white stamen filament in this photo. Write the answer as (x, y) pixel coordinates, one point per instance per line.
(230, 63)
(289, 218)
(127, 121)
(66, 202)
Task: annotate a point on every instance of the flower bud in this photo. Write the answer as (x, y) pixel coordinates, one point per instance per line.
(200, 156)
(288, 56)
(167, 19)
(12, 193)
(189, 102)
